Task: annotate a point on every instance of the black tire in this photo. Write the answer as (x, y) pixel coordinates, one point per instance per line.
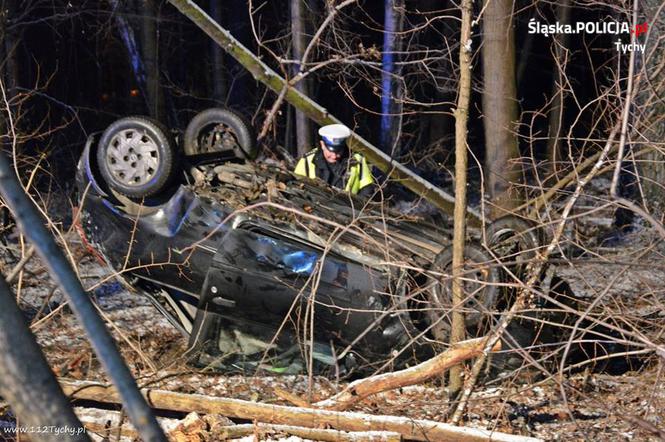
(482, 295)
(220, 130)
(515, 240)
(136, 157)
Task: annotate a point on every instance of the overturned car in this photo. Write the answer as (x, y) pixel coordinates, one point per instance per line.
(260, 268)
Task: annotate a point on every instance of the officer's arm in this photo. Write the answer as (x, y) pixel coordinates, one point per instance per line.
(301, 167)
(367, 182)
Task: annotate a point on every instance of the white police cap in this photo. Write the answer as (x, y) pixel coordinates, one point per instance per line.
(334, 134)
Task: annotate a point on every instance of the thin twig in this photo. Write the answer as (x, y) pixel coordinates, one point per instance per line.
(19, 267)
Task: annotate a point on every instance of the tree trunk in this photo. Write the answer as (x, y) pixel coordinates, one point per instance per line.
(3, 56)
(150, 51)
(27, 382)
(652, 167)
(11, 40)
(390, 74)
(439, 120)
(500, 105)
(458, 328)
(298, 30)
(128, 37)
(237, 21)
(218, 80)
(555, 153)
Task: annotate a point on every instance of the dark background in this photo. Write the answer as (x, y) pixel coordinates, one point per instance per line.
(73, 74)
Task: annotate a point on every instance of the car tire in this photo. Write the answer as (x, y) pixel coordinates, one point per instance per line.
(219, 130)
(484, 293)
(514, 239)
(136, 157)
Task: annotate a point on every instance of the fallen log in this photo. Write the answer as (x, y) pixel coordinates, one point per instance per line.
(413, 429)
(196, 429)
(238, 431)
(362, 388)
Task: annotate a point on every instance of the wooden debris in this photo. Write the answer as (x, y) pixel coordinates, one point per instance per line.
(362, 388)
(19, 266)
(414, 429)
(191, 429)
(291, 397)
(238, 431)
(109, 424)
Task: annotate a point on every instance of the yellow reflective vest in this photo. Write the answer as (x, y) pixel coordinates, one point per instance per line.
(359, 173)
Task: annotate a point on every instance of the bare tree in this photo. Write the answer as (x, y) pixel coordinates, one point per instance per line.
(150, 51)
(11, 40)
(652, 102)
(298, 33)
(218, 80)
(556, 115)
(458, 329)
(390, 72)
(500, 104)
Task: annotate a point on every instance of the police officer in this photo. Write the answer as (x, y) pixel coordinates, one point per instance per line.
(332, 163)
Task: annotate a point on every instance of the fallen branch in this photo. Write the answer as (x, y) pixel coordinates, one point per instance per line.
(414, 429)
(291, 397)
(538, 203)
(18, 267)
(228, 432)
(543, 200)
(362, 388)
(238, 431)
(645, 425)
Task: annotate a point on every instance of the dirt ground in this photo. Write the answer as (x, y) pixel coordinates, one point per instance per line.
(624, 287)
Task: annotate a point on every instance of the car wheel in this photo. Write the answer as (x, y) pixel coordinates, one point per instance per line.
(220, 130)
(136, 157)
(514, 240)
(480, 289)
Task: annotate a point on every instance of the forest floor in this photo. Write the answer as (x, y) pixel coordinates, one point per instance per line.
(606, 403)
